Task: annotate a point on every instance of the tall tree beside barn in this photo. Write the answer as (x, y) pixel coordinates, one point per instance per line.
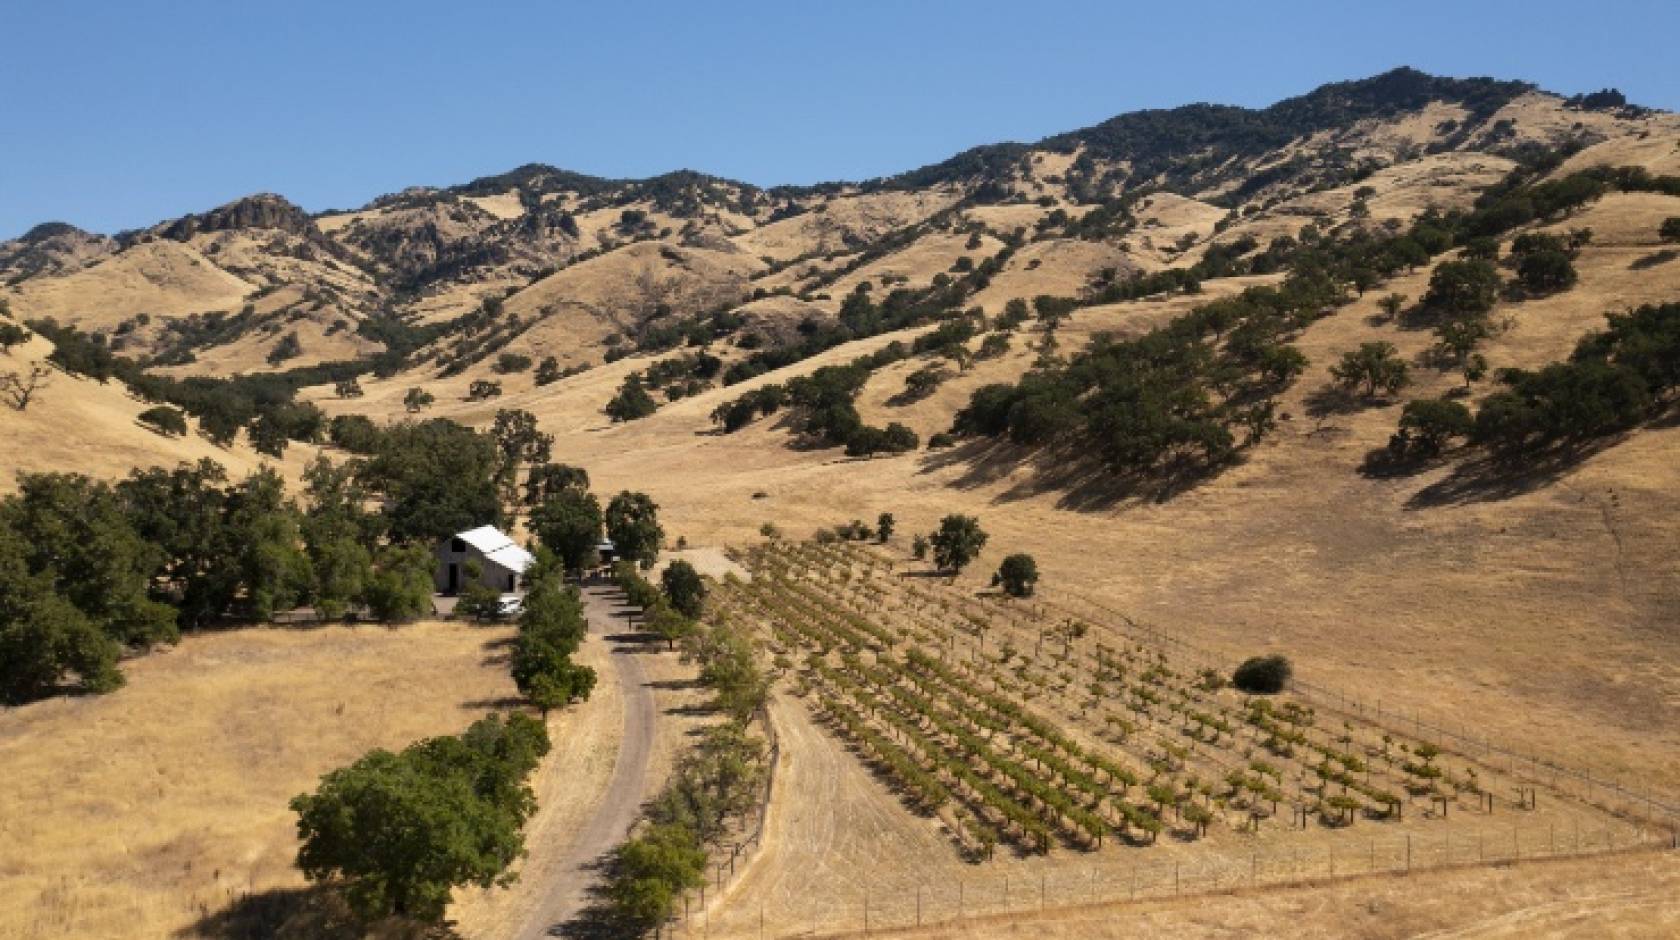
(633, 526)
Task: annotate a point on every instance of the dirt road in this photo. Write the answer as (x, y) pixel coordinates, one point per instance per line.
(568, 892)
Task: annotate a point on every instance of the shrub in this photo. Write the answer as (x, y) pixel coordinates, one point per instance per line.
(1426, 425)
(355, 433)
(508, 363)
(1546, 271)
(418, 399)
(1463, 288)
(1262, 674)
(548, 371)
(1669, 231)
(1018, 575)
(12, 335)
(289, 347)
(165, 420)
(483, 389)
(1377, 366)
(632, 402)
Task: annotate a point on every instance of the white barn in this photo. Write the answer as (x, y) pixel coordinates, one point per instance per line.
(501, 563)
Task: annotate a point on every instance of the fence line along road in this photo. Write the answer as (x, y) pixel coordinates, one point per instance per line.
(947, 902)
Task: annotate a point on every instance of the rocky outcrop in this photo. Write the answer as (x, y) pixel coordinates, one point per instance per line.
(264, 210)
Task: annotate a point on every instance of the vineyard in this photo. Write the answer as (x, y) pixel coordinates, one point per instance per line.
(1025, 726)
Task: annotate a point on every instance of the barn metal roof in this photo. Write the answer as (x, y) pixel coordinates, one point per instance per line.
(495, 545)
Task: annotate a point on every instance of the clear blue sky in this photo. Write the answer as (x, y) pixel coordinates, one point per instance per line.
(117, 114)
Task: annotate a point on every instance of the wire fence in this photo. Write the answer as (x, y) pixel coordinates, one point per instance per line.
(725, 869)
(948, 901)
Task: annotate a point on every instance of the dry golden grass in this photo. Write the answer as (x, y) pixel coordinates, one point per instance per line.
(78, 425)
(1635, 895)
(866, 216)
(816, 871)
(1061, 268)
(160, 277)
(136, 813)
(581, 305)
(1533, 609)
(918, 263)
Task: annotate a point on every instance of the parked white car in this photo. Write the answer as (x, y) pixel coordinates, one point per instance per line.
(510, 605)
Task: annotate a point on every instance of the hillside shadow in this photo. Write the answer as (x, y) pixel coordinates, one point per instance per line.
(1487, 478)
(283, 912)
(499, 702)
(1335, 401)
(1653, 259)
(1085, 483)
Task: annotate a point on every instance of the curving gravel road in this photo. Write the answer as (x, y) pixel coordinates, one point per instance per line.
(619, 809)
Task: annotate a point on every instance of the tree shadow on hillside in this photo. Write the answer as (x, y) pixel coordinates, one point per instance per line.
(1486, 478)
(494, 704)
(1085, 483)
(1335, 401)
(1653, 259)
(314, 911)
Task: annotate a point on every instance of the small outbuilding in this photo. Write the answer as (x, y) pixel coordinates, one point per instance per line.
(501, 563)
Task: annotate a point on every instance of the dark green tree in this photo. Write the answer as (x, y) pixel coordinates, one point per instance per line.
(438, 478)
(267, 541)
(76, 536)
(958, 541)
(418, 399)
(1546, 272)
(398, 832)
(684, 588)
(1376, 366)
(165, 420)
(549, 479)
(268, 435)
(1017, 575)
(568, 523)
(1468, 287)
(633, 527)
(400, 586)
(519, 443)
(1263, 674)
(548, 371)
(44, 639)
(631, 402)
(1426, 425)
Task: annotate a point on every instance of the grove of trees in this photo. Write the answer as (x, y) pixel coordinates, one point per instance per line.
(97, 569)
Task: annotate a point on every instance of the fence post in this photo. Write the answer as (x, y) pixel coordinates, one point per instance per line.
(1408, 853)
